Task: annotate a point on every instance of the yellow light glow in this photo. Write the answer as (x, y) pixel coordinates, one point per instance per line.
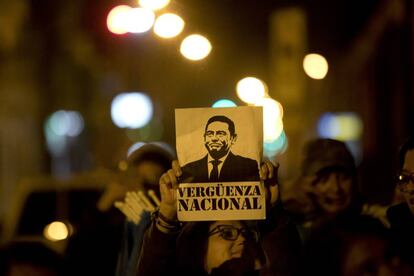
(251, 90)
(272, 107)
(139, 20)
(272, 128)
(116, 20)
(195, 47)
(168, 25)
(272, 119)
(315, 66)
(56, 231)
(343, 126)
(350, 128)
(153, 4)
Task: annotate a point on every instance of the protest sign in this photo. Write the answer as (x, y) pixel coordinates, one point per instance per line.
(219, 150)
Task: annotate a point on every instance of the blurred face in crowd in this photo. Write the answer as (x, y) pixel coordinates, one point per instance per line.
(227, 240)
(150, 172)
(218, 139)
(406, 179)
(333, 191)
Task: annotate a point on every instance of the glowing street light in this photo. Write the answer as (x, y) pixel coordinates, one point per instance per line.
(251, 90)
(154, 4)
(131, 110)
(117, 19)
(168, 25)
(195, 47)
(56, 231)
(139, 20)
(315, 66)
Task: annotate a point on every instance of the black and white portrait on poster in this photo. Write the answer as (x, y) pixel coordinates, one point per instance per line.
(219, 150)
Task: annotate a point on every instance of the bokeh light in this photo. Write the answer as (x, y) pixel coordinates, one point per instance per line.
(139, 20)
(66, 123)
(272, 118)
(272, 127)
(168, 25)
(276, 146)
(56, 231)
(131, 110)
(251, 90)
(344, 126)
(117, 19)
(315, 66)
(224, 103)
(153, 4)
(195, 47)
(272, 107)
(56, 144)
(60, 126)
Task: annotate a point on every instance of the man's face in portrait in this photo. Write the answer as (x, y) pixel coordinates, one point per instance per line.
(218, 139)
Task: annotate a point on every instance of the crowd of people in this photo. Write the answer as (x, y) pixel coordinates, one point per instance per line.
(316, 224)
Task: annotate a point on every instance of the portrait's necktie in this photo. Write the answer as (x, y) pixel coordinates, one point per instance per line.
(214, 175)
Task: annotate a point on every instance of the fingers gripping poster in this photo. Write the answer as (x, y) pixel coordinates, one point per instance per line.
(219, 151)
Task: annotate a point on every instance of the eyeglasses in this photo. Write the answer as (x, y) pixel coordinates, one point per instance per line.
(231, 233)
(403, 179)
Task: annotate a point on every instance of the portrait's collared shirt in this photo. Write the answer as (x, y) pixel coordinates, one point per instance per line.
(220, 165)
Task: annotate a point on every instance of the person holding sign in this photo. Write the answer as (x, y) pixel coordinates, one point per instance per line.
(220, 164)
(229, 247)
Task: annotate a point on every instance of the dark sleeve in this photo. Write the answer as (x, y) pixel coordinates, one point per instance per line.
(158, 253)
(402, 228)
(395, 215)
(131, 246)
(281, 242)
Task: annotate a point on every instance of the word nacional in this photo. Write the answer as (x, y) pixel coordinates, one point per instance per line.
(212, 197)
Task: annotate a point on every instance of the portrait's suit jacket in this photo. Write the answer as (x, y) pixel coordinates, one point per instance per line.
(402, 226)
(235, 168)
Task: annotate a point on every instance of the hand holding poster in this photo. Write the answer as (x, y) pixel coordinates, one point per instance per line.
(219, 150)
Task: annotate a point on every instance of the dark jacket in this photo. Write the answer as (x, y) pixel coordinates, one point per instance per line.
(402, 227)
(131, 246)
(235, 168)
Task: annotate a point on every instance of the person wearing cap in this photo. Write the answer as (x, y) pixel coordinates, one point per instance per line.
(326, 186)
(148, 161)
